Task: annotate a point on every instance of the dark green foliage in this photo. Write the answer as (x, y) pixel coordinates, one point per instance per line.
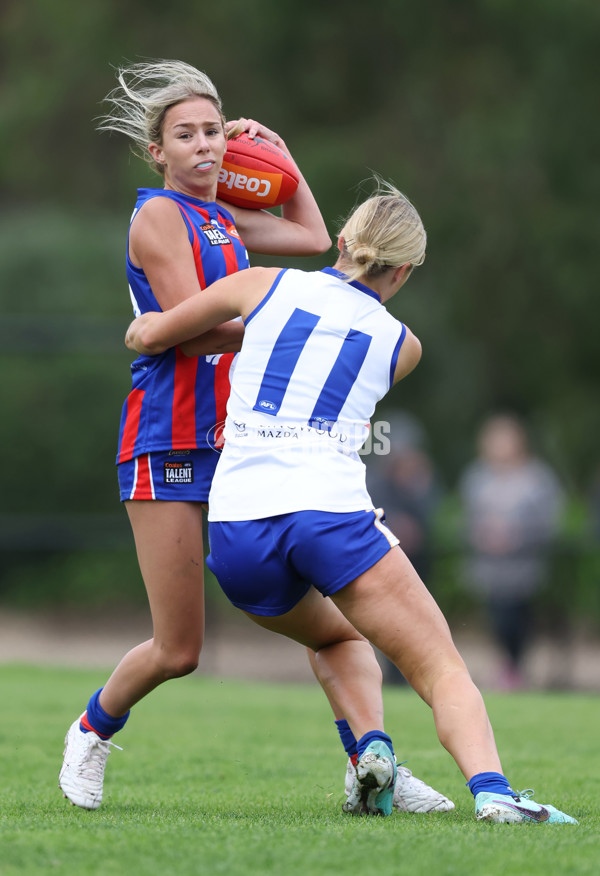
(484, 113)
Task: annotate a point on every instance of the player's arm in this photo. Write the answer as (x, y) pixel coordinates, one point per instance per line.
(408, 357)
(300, 230)
(159, 244)
(235, 295)
(225, 338)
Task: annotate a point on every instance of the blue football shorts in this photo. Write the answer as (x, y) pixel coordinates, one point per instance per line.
(170, 475)
(266, 566)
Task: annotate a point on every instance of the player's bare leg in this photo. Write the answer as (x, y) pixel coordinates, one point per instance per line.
(168, 537)
(349, 674)
(347, 668)
(411, 794)
(169, 542)
(405, 622)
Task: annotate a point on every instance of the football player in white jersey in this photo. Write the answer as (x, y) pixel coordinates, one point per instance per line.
(295, 540)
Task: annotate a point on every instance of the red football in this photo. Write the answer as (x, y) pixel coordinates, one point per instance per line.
(256, 174)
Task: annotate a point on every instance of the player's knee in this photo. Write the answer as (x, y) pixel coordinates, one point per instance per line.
(176, 664)
(184, 665)
(436, 684)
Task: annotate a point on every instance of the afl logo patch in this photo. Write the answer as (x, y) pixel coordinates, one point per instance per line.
(267, 405)
(179, 473)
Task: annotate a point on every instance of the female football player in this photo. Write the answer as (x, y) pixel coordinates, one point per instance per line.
(181, 239)
(295, 541)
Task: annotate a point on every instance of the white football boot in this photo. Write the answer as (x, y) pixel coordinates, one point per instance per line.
(373, 783)
(410, 793)
(82, 774)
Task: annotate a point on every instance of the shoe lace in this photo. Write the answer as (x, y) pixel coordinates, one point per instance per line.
(97, 752)
(403, 770)
(526, 794)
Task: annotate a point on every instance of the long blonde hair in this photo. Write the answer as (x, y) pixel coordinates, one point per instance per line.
(384, 231)
(145, 92)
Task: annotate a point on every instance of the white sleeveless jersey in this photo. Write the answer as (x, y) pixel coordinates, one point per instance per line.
(318, 354)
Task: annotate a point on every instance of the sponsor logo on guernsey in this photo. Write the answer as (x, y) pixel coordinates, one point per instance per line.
(293, 431)
(277, 433)
(215, 236)
(179, 473)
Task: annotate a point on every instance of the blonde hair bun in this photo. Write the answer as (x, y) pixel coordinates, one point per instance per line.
(384, 231)
(363, 254)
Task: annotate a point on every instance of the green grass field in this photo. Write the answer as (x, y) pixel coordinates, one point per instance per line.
(231, 777)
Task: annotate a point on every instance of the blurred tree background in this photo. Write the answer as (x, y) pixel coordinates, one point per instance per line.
(485, 112)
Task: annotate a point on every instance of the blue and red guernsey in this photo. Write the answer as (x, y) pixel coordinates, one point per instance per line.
(178, 402)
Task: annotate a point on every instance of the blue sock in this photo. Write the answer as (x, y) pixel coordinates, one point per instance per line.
(369, 737)
(347, 736)
(492, 783)
(95, 719)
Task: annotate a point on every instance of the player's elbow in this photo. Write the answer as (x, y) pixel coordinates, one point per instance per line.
(315, 242)
(322, 242)
(148, 342)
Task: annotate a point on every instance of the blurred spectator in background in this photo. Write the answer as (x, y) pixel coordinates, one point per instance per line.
(512, 504)
(401, 479)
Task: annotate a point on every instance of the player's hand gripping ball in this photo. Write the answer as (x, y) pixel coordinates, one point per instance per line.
(256, 174)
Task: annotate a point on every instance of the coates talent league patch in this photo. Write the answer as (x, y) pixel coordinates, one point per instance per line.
(215, 236)
(179, 472)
